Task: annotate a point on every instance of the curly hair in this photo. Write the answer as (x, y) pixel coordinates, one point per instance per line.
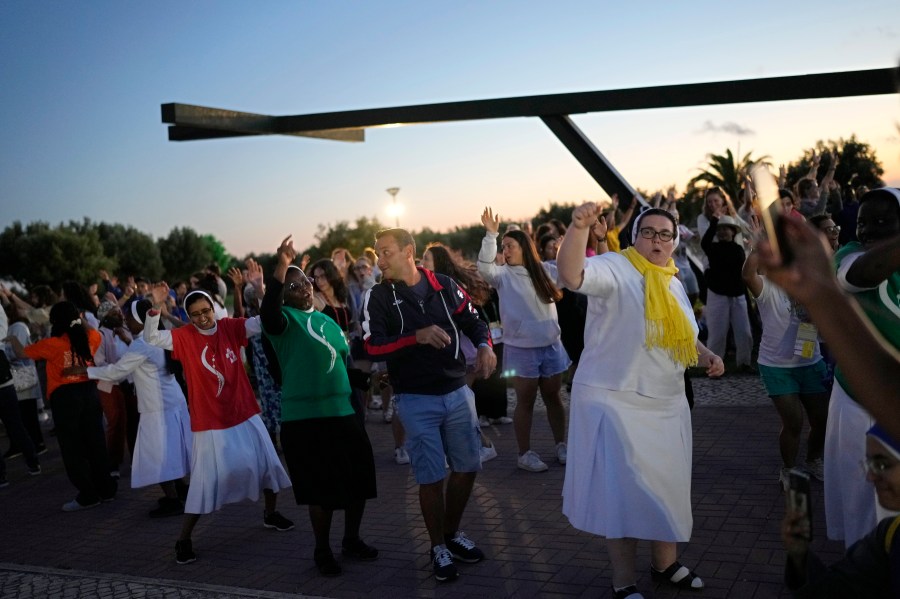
(543, 286)
(463, 272)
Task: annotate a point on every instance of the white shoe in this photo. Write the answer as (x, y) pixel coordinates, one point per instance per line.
(483, 421)
(389, 410)
(562, 452)
(531, 462)
(400, 456)
(784, 479)
(502, 420)
(374, 404)
(487, 453)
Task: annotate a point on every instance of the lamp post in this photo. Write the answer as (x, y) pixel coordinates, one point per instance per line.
(395, 208)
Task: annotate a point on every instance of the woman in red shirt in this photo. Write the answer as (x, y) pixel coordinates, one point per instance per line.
(75, 405)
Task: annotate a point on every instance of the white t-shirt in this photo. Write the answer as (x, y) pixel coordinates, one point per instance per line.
(780, 325)
(615, 356)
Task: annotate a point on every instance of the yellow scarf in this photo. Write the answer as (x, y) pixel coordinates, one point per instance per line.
(667, 325)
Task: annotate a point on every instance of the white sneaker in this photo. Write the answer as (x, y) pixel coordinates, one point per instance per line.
(389, 410)
(562, 451)
(400, 456)
(487, 454)
(502, 420)
(816, 467)
(483, 421)
(532, 462)
(375, 403)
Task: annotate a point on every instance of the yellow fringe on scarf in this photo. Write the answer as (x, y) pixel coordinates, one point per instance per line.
(667, 325)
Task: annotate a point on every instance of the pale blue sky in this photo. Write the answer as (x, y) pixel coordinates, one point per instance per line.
(82, 83)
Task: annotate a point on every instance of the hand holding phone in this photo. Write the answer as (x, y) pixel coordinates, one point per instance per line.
(768, 208)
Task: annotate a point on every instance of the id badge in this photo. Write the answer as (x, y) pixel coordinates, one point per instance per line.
(807, 336)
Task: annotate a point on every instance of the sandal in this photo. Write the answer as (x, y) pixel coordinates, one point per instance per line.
(629, 592)
(679, 576)
(326, 563)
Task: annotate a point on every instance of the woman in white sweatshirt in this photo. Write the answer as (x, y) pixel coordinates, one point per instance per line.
(533, 353)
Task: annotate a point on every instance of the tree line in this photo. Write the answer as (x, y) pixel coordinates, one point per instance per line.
(37, 253)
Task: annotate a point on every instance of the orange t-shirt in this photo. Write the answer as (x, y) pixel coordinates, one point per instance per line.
(57, 351)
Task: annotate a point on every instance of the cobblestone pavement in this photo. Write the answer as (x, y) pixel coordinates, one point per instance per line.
(115, 551)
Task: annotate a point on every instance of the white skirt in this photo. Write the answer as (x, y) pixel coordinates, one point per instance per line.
(231, 465)
(850, 500)
(628, 472)
(162, 451)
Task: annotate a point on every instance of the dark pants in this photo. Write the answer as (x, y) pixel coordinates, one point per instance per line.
(12, 420)
(28, 410)
(79, 430)
(490, 393)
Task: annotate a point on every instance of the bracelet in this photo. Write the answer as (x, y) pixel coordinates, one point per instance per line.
(601, 240)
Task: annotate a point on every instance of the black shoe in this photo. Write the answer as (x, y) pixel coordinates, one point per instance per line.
(463, 549)
(12, 453)
(34, 470)
(357, 549)
(678, 576)
(40, 448)
(629, 592)
(168, 506)
(277, 521)
(444, 568)
(184, 552)
(326, 563)
(181, 488)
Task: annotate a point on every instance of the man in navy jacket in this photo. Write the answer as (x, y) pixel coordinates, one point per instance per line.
(413, 319)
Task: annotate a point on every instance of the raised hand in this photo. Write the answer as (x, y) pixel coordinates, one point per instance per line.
(236, 276)
(159, 292)
(585, 215)
(285, 252)
(254, 273)
(490, 220)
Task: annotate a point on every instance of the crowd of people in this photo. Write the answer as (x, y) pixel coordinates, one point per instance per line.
(150, 378)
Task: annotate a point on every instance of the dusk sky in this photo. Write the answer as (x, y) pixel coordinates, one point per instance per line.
(82, 84)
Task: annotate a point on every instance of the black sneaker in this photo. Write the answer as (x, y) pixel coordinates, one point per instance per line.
(12, 453)
(277, 521)
(442, 560)
(463, 549)
(184, 552)
(41, 449)
(356, 548)
(34, 470)
(3, 482)
(326, 563)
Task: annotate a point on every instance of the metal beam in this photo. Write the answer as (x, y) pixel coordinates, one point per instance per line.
(795, 87)
(593, 161)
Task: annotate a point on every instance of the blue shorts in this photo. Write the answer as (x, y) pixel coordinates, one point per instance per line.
(802, 380)
(439, 428)
(535, 362)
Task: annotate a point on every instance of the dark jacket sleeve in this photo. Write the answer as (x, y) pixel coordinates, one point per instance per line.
(273, 321)
(466, 316)
(380, 342)
(707, 241)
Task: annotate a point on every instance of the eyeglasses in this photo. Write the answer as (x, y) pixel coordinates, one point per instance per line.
(876, 466)
(298, 284)
(362, 267)
(201, 313)
(832, 230)
(650, 233)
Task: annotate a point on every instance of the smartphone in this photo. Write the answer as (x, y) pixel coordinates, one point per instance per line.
(769, 210)
(798, 495)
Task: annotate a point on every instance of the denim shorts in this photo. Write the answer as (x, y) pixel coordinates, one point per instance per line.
(440, 427)
(535, 362)
(803, 380)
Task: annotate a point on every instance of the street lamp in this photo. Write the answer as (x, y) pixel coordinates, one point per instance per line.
(395, 209)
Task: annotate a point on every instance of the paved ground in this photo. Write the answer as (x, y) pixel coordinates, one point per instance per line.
(116, 551)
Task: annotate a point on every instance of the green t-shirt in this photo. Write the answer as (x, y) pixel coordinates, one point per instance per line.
(881, 305)
(312, 352)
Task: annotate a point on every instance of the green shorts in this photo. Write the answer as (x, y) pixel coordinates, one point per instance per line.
(802, 380)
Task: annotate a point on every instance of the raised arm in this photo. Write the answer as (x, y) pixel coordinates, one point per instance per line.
(273, 321)
(876, 264)
(237, 278)
(750, 270)
(152, 335)
(570, 257)
(486, 265)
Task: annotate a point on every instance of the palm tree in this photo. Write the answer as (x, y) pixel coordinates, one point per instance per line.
(724, 172)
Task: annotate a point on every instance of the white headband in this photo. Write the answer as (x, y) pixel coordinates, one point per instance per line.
(184, 302)
(134, 312)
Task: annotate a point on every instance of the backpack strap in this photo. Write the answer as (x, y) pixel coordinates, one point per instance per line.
(889, 536)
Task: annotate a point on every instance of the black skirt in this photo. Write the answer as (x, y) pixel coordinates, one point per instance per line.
(330, 461)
